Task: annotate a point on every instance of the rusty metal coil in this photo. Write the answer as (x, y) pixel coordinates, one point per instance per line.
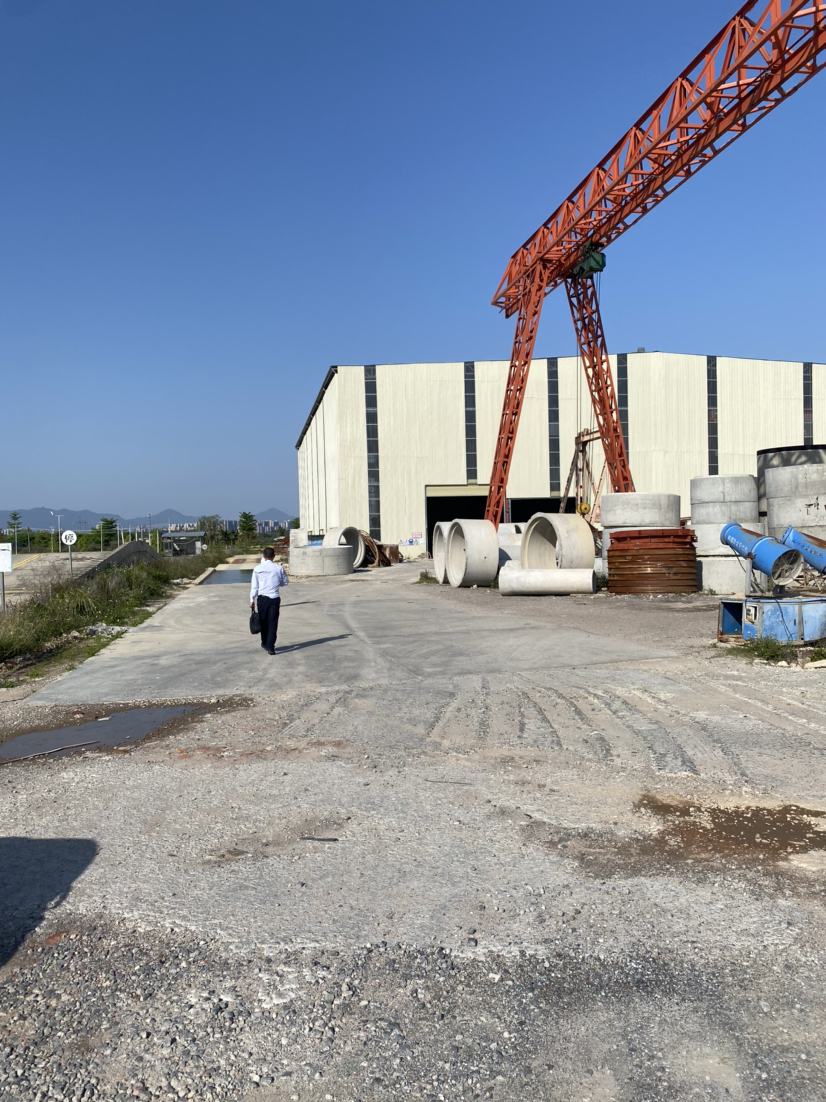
(652, 570)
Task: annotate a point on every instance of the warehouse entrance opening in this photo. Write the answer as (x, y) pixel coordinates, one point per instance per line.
(444, 507)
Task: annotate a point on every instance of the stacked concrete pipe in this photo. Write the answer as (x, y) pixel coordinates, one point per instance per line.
(320, 561)
(351, 537)
(510, 544)
(516, 582)
(718, 500)
(618, 511)
(440, 550)
(796, 498)
(472, 553)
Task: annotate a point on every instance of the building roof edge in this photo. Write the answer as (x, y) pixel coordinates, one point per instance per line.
(328, 378)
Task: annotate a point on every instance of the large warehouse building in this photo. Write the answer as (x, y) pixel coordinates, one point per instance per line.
(394, 448)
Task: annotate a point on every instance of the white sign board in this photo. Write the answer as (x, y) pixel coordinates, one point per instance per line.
(5, 558)
(69, 537)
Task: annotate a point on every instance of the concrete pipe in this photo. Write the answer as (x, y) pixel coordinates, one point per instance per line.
(472, 553)
(514, 582)
(722, 512)
(351, 537)
(299, 537)
(718, 488)
(796, 497)
(718, 574)
(811, 455)
(708, 536)
(640, 510)
(510, 552)
(561, 540)
(440, 550)
(321, 561)
(510, 533)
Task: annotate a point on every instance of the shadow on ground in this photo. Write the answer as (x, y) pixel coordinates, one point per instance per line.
(36, 875)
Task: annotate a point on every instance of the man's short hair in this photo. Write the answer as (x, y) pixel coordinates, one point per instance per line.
(269, 553)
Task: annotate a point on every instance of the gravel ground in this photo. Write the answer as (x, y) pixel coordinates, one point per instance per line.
(595, 885)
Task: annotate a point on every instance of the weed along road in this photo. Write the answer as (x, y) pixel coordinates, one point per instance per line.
(444, 845)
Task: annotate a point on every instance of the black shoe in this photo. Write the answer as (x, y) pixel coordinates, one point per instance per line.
(270, 650)
(263, 646)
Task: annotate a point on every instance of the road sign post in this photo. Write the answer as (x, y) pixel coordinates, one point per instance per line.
(69, 538)
(5, 568)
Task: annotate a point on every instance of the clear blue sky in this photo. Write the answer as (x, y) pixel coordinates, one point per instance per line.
(207, 202)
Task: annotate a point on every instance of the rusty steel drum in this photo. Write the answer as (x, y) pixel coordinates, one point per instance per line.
(652, 560)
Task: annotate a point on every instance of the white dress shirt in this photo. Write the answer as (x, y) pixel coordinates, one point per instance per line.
(267, 577)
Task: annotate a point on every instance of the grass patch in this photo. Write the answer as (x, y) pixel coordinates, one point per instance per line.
(51, 620)
(426, 578)
(770, 650)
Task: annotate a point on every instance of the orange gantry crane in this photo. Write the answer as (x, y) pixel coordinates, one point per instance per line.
(758, 59)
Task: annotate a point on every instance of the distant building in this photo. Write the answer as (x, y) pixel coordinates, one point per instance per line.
(394, 448)
(182, 543)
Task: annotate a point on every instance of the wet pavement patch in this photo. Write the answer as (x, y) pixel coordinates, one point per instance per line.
(689, 835)
(125, 728)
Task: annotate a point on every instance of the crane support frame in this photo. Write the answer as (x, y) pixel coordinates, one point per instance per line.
(593, 351)
(750, 67)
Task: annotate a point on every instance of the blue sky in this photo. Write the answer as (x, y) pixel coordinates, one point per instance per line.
(207, 202)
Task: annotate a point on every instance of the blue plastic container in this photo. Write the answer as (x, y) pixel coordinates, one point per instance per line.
(812, 549)
(781, 563)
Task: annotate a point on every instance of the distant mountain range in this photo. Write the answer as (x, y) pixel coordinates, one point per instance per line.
(81, 520)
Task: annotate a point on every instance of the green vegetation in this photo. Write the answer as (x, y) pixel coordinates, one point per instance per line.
(15, 525)
(818, 654)
(770, 650)
(114, 597)
(247, 527)
(426, 578)
(212, 527)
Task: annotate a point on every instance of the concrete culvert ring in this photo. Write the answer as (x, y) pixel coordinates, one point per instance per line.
(350, 537)
(440, 551)
(561, 540)
(472, 553)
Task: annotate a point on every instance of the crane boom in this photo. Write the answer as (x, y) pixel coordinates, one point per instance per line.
(753, 64)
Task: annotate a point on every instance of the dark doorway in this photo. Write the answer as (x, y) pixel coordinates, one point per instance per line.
(473, 508)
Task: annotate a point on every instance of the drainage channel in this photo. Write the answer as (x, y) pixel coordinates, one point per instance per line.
(120, 728)
(228, 577)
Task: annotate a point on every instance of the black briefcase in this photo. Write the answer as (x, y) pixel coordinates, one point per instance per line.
(255, 623)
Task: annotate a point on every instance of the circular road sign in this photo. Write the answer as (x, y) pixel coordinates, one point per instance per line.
(69, 537)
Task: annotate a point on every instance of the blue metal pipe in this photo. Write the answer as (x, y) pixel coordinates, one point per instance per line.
(812, 549)
(781, 563)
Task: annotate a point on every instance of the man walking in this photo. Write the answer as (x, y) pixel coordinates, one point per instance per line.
(267, 579)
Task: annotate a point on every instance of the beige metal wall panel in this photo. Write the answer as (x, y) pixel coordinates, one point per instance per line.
(421, 415)
(352, 448)
(667, 422)
(759, 405)
(575, 414)
(818, 403)
(491, 376)
(329, 412)
(530, 474)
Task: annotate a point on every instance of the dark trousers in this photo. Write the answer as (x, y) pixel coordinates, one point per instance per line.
(268, 611)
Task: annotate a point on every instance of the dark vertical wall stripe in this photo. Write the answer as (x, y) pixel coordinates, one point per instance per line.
(711, 394)
(622, 395)
(808, 427)
(373, 495)
(553, 425)
(470, 420)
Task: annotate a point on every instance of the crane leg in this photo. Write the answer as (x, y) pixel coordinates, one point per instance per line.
(527, 324)
(590, 338)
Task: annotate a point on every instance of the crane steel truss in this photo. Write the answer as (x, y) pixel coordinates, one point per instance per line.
(751, 66)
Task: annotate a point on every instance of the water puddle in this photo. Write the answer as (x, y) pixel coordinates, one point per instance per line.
(117, 729)
(228, 577)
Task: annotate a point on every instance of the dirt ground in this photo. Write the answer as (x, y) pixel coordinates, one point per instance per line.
(445, 845)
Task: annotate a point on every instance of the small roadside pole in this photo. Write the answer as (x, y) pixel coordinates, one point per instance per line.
(5, 568)
(69, 537)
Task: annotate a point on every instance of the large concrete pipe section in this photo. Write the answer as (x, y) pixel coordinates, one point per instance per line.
(440, 532)
(350, 537)
(321, 561)
(557, 540)
(720, 499)
(796, 498)
(510, 544)
(514, 582)
(794, 456)
(472, 553)
(618, 511)
(717, 500)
